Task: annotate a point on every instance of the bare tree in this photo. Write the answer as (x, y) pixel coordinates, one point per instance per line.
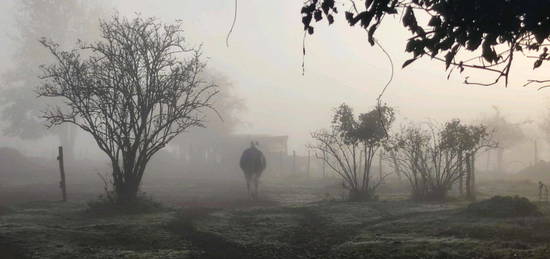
(349, 147)
(408, 148)
(133, 91)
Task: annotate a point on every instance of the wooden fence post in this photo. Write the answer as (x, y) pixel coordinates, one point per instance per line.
(473, 178)
(62, 172)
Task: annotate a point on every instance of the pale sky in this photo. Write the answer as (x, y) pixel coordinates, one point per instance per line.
(264, 59)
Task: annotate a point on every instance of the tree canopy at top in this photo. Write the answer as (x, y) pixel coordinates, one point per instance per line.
(493, 29)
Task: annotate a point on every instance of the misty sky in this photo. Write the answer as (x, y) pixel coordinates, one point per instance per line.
(264, 60)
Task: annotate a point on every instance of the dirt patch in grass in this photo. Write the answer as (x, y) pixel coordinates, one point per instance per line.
(281, 232)
(9, 250)
(228, 204)
(211, 245)
(316, 236)
(4, 210)
(105, 206)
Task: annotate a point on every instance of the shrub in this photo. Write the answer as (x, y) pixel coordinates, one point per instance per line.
(349, 148)
(503, 207)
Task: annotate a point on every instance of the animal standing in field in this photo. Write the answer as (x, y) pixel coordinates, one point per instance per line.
(253, 164)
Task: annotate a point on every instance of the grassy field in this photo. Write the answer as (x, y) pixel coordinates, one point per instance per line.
(306, 219)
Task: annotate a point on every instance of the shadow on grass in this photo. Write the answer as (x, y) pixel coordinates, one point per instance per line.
(108, 207)
(211, 245)
(314, 236)
(5, 210)
(228, 204)
(9, 250)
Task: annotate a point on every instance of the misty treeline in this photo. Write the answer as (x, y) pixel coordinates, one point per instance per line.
(135, 86)
(66, 22)
(432, 157)
(450, 32)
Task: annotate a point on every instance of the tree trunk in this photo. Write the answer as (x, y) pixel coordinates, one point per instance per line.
(380, 172)
(468, 175)
(62, 183)
(461, 170)
(396, 165)
(127, 191)
(126, 184)
(472, 182)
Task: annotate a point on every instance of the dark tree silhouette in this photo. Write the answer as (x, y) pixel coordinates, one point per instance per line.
(494, 30)
(349, 147)
(466, 141)
(133, 91)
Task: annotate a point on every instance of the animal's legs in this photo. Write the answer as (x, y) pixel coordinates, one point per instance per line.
(256, 179)
(247, 183)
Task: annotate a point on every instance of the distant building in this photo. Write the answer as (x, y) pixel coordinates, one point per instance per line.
(275, 149)
(222, 153)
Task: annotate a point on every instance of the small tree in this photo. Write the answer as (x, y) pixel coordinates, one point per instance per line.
(133, 91)
(433, 160)
(466, 140)
(408, 148)
(349, 147)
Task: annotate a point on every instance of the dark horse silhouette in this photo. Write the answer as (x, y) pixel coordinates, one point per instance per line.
(252, 164)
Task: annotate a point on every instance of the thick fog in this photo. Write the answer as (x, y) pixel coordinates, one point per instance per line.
(265, 90)
(257, 137)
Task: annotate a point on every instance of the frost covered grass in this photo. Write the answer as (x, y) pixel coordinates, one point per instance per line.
(66, 230)
(231, 226)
